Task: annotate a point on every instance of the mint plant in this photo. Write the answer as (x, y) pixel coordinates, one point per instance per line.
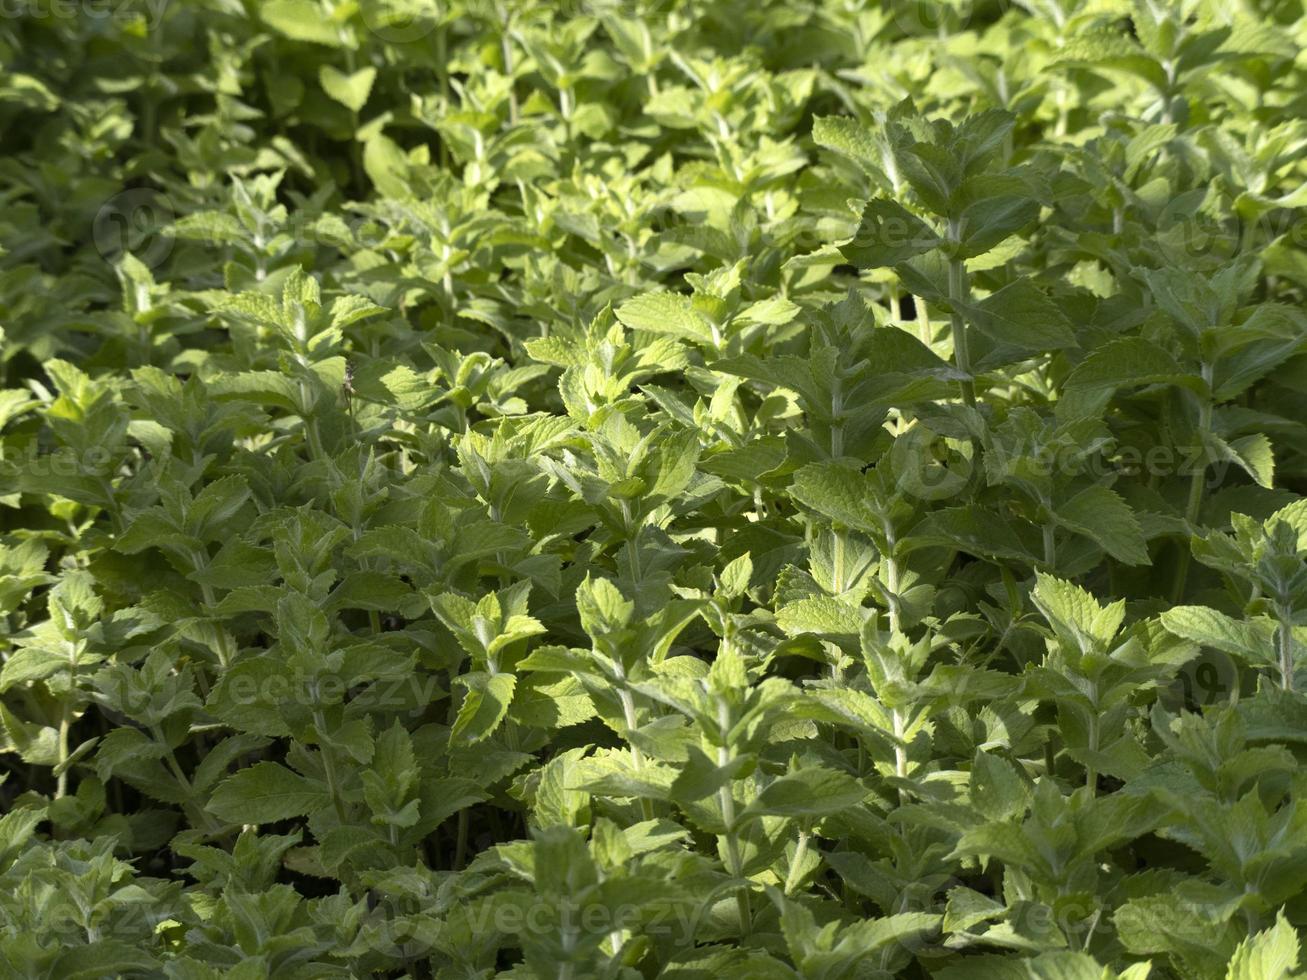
(617, 491)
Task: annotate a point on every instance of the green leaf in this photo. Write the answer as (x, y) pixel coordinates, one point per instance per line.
(387, 166)
(973, 529)
(1101, 514)
(1045, 966)
(808, 792)
(665, 313)
(702, 777)
(264, 793)
(351, 91)
(1075, 615)
(1124, 363)
(997, 789)
(839, 493)
(852, 139)
(995, 215)
(967, 908)
(822, 615)
(1269, 955)
(1020, 316)
(1253, 454)
(301, 20)
(735, 577)
(107, 957)
(484, 706)
(31, 664)
(1252, 641)
(887, 235)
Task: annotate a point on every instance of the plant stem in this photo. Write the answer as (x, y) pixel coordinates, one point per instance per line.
(900, 751)
(923, 321)
(957, 293)
(1091, 771)
(442, 73)
(328, 764)
(892, 588)
(1284, 637)
(735, 864)
(637, 757)
(1196, 481)
(65, 722)
(223, 648)
(460, 847)
(66, 718)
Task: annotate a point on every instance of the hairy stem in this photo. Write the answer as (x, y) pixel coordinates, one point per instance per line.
(328, 764)
(1284, 644)
(735, 864)
(892, 588)
(637, 757)
(957, 293)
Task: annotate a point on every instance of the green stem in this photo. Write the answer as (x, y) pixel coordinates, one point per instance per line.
(1284, 638)
(892, 588)
(637, 757)
(170, 758)
(900, 751)
(735, 864)
(355, 148)
(1091, 772)
(1197, 480)
(923, 321)
(211, 824)
(460, 847)
(66, 719)
(223, 647)
(329, 765)
(111, 504)
(315, 439)
(442, 73)
(957, 293)
(65, 723)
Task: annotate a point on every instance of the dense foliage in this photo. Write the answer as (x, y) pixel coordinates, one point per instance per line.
(695, 489)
